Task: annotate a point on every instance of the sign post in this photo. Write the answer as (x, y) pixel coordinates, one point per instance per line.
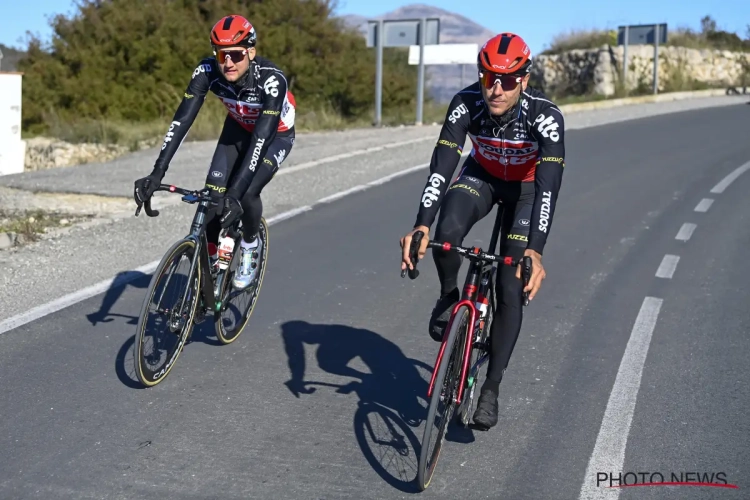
(401, 33)
(642, 34)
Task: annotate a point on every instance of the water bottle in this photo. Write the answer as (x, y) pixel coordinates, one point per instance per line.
(226, 248)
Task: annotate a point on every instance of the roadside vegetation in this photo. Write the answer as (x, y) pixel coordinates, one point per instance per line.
(115, 70)
(709, 37)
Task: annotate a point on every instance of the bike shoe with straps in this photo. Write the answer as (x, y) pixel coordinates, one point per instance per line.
(485, 416)
(441, 313)
(248, 268)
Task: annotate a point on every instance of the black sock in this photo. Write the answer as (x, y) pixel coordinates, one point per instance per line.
(491, 385)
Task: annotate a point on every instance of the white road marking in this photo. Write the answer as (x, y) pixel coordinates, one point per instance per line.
(351, 154)
(704, 205)
(667, 266)
(726, 181)
(103, 286)
(609, 450)
(686, 231)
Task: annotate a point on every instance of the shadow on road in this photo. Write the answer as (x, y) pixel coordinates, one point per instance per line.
(391, 397)
(135, 279)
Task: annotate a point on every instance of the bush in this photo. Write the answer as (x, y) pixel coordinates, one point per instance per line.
(129, 61)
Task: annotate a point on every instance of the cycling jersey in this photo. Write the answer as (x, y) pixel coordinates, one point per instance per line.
(525, 145)
(259, 101)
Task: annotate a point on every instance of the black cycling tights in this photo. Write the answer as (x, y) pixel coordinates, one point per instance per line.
(229, 156)
(470, 199)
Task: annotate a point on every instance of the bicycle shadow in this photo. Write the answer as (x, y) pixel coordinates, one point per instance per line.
(392, 397)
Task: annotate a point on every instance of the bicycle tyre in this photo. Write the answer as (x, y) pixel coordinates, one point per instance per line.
(452, 358)
(224, 336)
(146, 376)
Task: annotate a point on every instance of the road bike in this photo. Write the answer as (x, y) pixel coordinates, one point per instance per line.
(203, 289)
(465, 348)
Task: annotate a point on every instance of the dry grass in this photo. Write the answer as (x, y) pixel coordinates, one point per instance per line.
(30, 225)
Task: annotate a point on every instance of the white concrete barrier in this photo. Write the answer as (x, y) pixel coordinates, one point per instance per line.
(12, 148)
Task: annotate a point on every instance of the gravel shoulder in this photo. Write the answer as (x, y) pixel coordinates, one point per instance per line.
(113, 241)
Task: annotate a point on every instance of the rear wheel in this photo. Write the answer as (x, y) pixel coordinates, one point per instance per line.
(172, 297)
(442, 401)
(236, 306)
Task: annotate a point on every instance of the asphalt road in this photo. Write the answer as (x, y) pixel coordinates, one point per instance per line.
(323, 395)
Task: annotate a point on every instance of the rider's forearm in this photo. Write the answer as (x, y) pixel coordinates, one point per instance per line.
(549, 173)
(182, 121)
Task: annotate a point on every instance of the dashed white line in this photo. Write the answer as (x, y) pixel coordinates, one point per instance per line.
(686, 231)
(704, 205)
(726, 181)
(667, 266)
(609, 450)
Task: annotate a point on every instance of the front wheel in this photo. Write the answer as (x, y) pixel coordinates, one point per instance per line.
(236, 306)
(172, 297)
(442, 401)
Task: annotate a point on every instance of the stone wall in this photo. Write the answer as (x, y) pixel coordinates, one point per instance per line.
(599, 71)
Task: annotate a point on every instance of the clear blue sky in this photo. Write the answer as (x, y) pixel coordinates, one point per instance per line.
(553, 16)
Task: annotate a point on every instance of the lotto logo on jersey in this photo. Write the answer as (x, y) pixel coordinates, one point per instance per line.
(170, 134)
(432, 191)
(547, 126)
(271, 86)
(457, 113)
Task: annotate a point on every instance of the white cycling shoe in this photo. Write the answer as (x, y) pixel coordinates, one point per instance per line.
(247, 271)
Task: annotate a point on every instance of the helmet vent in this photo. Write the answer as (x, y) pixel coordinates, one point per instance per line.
(227, 23)
(504, 43)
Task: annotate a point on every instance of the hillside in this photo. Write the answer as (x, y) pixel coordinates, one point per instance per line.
(441, 81)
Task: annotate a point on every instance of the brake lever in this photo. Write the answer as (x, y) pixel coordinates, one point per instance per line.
(526, 273)
(414, 255)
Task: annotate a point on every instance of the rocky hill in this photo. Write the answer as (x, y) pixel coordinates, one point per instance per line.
(440, 81)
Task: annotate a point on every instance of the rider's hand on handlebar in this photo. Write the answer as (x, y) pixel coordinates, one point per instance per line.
(231, 211)
(537, 273)
(145, 187)
(406, 246)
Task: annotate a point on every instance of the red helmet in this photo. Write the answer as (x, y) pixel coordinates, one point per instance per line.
(233, 31)
(505, 53)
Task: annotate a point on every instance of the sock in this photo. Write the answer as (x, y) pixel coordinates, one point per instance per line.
(252, 244)
(491, 385)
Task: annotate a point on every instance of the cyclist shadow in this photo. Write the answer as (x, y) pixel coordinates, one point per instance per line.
(392, 397)
(123, 280)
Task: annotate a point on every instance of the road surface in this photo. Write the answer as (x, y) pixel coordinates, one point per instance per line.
(631, 359)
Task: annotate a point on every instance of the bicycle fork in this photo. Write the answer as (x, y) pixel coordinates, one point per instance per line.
(476, 320)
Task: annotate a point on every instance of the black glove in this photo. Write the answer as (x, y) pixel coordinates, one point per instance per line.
(231, 211)
(146, 186)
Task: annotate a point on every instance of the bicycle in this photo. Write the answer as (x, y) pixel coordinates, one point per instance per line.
(206, 289)
(465, 347)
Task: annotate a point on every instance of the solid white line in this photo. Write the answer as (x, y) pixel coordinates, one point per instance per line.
(609, 451)
(667, 266)
(726, 181)
(351, 154)
(704, 205)
(75, 297)
(103, 286)
(686, 231)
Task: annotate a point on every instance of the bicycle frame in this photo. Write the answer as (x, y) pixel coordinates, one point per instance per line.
(198, 236)
(478, 266)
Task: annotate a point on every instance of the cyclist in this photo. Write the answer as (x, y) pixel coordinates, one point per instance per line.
(517, 159)
(257, 135)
